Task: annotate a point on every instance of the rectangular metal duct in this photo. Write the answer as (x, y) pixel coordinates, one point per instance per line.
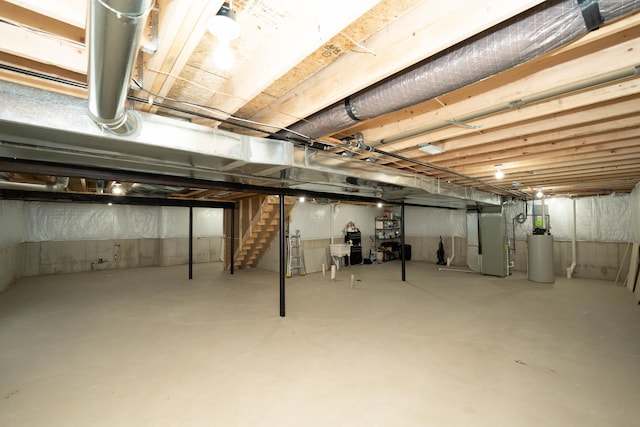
(52, 127)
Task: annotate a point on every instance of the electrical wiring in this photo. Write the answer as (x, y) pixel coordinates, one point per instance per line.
(120, 14)
(217, 110)
(366, 49)
(298, 139)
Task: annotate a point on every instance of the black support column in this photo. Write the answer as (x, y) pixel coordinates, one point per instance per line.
(402, 247)
(190, 242)
(282, 265)
(232, 243)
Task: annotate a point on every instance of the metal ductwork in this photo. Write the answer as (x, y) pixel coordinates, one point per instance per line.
(538, 31)
(61, 183)
(115, 27)
(44, 126)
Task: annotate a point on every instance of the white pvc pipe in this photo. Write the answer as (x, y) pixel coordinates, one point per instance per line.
(544, 225)
(332, 215)
(453, 251)
(573, 244)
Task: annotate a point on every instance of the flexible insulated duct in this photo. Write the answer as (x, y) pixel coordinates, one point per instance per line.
(529, 35)
(115, 27)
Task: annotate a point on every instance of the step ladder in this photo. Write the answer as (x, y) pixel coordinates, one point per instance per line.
(295, 259)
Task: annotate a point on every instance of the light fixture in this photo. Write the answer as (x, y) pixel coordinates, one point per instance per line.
(224, 27)
(539, 194)
(430, 149)
(379, 204)
(499, 172)
(117, 188)
(301, 199)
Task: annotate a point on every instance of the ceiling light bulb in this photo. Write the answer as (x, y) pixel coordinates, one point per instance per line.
(499, 173)
(117, 188)
(539, 194)
(379, 204)
(223, 25)
(301, 199)
(223, 56)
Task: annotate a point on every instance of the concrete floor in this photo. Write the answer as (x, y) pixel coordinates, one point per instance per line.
(146, 347)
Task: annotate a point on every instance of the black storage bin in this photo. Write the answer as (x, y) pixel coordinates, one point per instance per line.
(407, 252)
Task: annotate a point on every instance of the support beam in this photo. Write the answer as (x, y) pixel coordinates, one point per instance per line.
(399, 46)
(233, 238)
(190, 242)
(41, 48)
(402, 247)
(282, 256)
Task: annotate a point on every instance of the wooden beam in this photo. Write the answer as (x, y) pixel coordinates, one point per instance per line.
(45, 23)
(73, 12)
(420, 33)
(610, 111)
(280, 52)
(573, 147)
(537, 83)
(567, 160)
(41, 48)
(583, 135)
(182, 25)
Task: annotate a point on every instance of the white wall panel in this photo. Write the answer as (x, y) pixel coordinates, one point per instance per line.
(313, 220)
(635, 214)
(13, 222)
(433, 222)
(174, 222)
(66, 222)
(598, 219)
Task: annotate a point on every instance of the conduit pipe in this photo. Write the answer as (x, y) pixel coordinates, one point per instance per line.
(61, 183)
(540, 30)
(573, 244)
(115, 27)
(453, 251)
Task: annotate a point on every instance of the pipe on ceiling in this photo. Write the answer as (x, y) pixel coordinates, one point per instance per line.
(61, 183)
(115, 28)
(540, 30)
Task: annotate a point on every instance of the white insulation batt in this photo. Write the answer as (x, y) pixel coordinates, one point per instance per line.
(61, 222)
(598, 219)
(635, 214)
(322, 221)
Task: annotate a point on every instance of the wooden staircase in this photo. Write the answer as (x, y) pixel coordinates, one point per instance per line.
(261, 231)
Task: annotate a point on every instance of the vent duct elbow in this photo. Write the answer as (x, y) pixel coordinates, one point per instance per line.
(115, 28)
(538, 31)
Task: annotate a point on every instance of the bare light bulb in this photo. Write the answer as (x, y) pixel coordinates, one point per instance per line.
(223, 56)
(499, 174)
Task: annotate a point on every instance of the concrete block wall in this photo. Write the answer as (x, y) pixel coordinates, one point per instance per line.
(37, 258)
(11, 264)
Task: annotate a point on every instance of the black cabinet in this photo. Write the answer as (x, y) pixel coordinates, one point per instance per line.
(355, 238)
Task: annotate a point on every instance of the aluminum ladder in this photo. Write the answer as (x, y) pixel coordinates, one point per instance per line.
(295, 259)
